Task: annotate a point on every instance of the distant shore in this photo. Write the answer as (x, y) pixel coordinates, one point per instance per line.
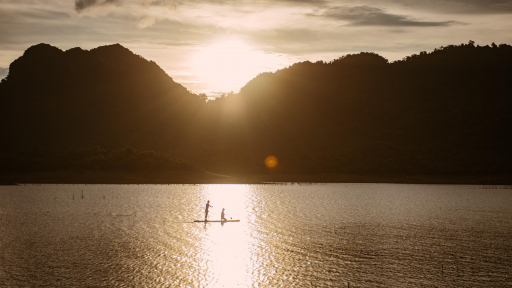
(170, 177)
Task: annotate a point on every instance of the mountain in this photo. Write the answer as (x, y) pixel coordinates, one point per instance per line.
(107, 97)
(446, 112)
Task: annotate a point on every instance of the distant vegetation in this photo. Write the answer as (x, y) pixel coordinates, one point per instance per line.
(93, 159)
(443, 112)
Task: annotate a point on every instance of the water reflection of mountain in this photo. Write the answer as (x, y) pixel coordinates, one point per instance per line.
(446, 112)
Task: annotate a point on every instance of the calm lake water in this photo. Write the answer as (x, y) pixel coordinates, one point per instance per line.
(321, 235)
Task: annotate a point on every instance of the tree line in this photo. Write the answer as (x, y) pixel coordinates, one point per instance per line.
(441, 112)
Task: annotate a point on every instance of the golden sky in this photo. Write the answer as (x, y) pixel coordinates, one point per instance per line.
(217, 46)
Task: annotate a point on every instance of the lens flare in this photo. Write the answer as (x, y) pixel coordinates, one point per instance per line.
(271, 161)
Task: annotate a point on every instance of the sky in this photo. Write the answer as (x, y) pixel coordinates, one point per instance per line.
(217, 46)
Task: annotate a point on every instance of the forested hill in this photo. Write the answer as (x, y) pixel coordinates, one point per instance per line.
(444, 112)
(107, 97)
(448, 111)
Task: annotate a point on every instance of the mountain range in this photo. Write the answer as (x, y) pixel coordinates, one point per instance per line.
(444, 112)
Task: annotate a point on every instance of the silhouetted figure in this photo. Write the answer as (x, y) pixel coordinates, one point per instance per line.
(222, 218)
(206, 210)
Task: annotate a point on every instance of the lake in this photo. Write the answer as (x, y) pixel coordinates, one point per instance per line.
(315, 235)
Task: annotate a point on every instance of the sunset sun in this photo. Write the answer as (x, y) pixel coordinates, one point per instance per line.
(229, 65)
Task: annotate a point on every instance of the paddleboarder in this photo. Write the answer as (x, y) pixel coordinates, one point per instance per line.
(206, 210)
(222, 216)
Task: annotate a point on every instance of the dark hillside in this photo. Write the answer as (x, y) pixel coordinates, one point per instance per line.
(447, 112)
(444, 112)
(107, 97)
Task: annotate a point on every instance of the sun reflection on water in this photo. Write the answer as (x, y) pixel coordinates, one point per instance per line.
(320, 235)
(226, 254)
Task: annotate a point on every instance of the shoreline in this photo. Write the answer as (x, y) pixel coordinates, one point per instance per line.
(171, 177)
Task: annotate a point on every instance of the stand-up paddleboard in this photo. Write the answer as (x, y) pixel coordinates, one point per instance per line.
(223, 221)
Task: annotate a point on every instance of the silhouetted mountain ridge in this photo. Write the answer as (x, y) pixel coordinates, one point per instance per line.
(443, 112)
(107, 96)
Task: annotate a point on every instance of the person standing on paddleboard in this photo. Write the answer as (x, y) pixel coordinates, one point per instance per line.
(206, 210)
(222, 216)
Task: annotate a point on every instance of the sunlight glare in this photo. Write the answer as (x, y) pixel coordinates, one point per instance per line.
(228, 246)
(229, 65)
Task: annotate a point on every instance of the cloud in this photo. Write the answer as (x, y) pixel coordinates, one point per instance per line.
(288, 35)
(311, 2)
(3, 72)
(470, 7)
(146, 22)
(444, 6)
(249, 2)
(172, 5)
(372, 16)
(81, 5)
(480, 6)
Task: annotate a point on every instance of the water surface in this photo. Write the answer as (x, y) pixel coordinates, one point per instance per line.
(368, 235)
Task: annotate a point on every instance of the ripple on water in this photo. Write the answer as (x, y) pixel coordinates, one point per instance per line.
(371, 235)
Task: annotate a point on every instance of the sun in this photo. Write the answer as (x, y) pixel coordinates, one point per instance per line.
(228, 65)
